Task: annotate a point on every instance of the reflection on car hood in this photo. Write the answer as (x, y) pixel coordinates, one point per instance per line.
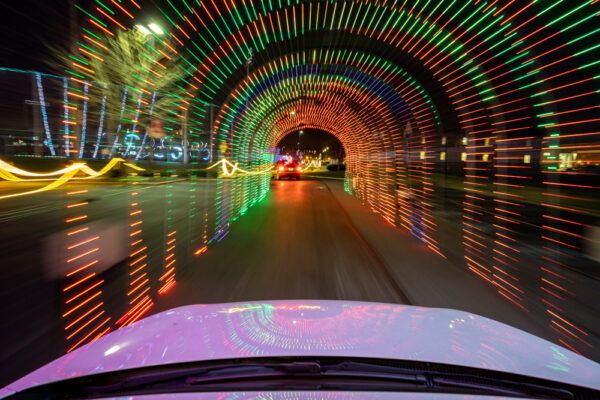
(321, 328)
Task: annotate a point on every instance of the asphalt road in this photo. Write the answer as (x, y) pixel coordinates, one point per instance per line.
(298, 244)
(305, 240)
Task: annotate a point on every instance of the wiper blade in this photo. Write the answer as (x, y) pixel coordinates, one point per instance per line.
(307, 373)
(234, 374)
(348, 375)
(525, 390)
(189, 374)
(306, 370)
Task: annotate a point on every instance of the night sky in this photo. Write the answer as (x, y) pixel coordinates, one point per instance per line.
(312, 139)
(27, 26)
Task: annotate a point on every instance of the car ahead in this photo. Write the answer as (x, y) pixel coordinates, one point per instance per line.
(314, 349)
(289, 169)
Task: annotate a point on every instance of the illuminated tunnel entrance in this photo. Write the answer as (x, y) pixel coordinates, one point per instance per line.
(498, 99)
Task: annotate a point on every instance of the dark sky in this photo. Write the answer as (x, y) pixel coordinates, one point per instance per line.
(312, 139)
(27, 25)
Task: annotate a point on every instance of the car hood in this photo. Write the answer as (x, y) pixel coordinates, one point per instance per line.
(320, 328)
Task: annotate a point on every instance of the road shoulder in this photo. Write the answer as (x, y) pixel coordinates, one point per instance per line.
(426, 278)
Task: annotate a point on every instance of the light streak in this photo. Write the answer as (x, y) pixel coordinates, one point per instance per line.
(225, 164)
(9, 172)
(200, 250)
(100, 124)
(66, 117)
(38, 78)
(84, 121)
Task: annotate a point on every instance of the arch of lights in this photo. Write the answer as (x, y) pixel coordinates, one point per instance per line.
(368, 112)
(395, 81)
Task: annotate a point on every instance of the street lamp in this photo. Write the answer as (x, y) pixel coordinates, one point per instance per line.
(299, 135)
(156, 29)
(152, 27)
(144, 30)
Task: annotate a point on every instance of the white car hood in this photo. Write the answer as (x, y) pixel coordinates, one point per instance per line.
(320, 328)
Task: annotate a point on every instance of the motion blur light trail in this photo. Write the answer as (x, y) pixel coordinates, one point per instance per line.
(502, 94)
(225, 164)
(9, 172)
(6, 167)
(313, 164)
(82, 286)
(85, 315)
(138, 296)
(67, 176)
(83, 167)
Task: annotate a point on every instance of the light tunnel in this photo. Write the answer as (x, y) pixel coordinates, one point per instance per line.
(501, 94)
(371, 114)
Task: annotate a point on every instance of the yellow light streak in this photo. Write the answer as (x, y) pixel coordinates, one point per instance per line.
(6, 167)
(53, 185)
(313, 164)
(11, 173)
(225, 164)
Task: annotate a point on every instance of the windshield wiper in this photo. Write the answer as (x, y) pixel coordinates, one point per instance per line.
(306, 373)
(297, 374)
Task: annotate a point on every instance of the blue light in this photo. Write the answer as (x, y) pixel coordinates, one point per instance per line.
(120, 122)
(84, 122)
(130, 138)
(66, 100)
(176, 156)
(48, 140)
(137, 114)
(101, 123)
(146, 133)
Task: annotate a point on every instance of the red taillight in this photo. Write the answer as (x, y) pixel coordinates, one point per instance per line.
(281, 169)
(299, 169)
